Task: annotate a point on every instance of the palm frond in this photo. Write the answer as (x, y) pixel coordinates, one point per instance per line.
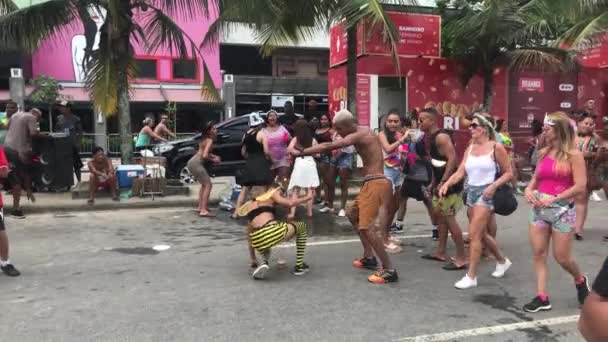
(212, 36)
(7, 6)
(26, 28)
(163, 32)
(586, 31)
(188, 9)
(542, 59)
(209, 92)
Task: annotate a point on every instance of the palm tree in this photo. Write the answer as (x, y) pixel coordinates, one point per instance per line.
(484, 34)
(109, 69)
(279, 22)
(588, 20)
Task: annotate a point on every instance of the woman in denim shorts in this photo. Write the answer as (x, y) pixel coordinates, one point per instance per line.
(481, 164)
(559, 178)
(342, 165)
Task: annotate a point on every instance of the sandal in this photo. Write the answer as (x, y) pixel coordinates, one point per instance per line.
(91, 202)
(433, 258)
(451, 266)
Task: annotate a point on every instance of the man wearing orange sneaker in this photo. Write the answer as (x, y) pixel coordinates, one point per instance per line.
(374, 197)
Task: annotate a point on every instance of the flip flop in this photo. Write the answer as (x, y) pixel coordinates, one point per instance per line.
(453, 267)
(433, 258)
(208, 215)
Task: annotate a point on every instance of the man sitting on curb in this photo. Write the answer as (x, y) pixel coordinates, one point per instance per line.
(102, 175)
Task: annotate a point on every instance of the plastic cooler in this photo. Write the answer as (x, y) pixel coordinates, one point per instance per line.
(126, 173)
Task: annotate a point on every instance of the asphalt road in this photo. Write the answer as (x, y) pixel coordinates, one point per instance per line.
(95, 277)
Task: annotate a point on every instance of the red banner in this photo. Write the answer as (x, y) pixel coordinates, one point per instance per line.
(532, 95)
(419, 35)
(336, 86)
(338, 40)
(595, 56)
(363, 100)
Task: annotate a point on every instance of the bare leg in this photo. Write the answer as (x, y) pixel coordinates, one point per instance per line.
(539, 241)
(477, 228)
(16, 191)
(292, 210)
(204, 200)
(581, 206)
(456, 232)
(309, 202)
(92, 188)
(113, 187)
(353, 216)
(562, 252)
(378, 247)
(330, 181)
(344, 177)
(4, 247)
(239, 201)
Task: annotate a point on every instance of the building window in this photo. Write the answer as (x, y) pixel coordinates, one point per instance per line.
(146, 68)
(184, 69)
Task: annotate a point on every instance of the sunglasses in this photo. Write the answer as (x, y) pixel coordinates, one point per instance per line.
(474, 126)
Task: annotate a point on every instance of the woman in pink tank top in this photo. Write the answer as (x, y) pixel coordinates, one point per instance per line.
(560, 177)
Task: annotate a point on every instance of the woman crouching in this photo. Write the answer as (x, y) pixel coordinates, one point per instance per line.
(265, 231)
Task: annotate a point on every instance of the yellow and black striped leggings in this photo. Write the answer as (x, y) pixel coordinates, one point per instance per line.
(273, 232)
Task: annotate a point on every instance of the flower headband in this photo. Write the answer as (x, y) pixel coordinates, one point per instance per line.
(486, 123)
(547, 121)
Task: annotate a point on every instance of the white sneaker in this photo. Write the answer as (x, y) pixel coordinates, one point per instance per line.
(342, 213)
(500, 270)
(466, 283)
(595, 197)
(326, 210)
(260, 272)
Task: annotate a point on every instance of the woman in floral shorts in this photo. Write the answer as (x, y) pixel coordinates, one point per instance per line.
(560, 177)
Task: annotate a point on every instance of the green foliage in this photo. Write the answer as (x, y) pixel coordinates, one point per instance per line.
(46, 90)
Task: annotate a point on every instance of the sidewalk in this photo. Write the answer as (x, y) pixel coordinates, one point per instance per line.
(63, 202)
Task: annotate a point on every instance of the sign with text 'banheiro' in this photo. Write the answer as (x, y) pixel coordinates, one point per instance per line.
(419, 35)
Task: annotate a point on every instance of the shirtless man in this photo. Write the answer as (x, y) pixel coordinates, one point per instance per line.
(162, 130)
(102, 175)
(374, 197)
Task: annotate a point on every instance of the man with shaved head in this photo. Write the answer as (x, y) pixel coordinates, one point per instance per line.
(374, 197)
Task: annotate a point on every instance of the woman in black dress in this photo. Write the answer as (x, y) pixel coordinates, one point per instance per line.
(257, 164)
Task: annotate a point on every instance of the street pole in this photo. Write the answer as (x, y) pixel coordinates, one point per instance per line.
(17, 87)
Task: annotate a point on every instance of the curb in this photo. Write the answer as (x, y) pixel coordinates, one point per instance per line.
(82, 206)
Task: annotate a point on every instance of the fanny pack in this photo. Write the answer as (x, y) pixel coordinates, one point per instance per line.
(555, 211)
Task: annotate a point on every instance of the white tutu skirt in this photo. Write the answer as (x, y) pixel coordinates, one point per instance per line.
(304, 173)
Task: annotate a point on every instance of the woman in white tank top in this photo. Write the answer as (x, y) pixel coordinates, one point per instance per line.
(479, 166)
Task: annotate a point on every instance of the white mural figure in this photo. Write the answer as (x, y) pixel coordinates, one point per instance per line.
(91, 34)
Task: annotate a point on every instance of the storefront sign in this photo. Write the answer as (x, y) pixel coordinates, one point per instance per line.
(363, 100)
(419, 35)
(531, 84)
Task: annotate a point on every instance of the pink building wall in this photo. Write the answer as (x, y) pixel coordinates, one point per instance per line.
(55, 58)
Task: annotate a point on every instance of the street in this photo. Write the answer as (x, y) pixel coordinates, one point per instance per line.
(93, 276)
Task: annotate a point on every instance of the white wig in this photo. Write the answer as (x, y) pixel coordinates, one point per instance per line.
(343, 116)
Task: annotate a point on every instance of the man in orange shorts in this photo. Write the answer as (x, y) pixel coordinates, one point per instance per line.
(374, 197)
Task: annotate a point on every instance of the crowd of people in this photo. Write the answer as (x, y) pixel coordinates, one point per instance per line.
(293, 161)
(415, 158)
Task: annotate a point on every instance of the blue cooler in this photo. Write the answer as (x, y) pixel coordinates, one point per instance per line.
(126, 173)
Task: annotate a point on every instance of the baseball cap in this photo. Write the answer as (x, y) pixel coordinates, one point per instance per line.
(63, 103)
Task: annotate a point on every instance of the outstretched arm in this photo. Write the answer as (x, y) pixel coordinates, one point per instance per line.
(350, 139)
(287, 202)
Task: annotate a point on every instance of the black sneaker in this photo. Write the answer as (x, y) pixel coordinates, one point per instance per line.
(582, 290)
(383, 277)
(10, 270)
(435, 235)
(18, 214)
(537, 305)
(369, 263)
(301, 270)
(578, 237)
(395, 229)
